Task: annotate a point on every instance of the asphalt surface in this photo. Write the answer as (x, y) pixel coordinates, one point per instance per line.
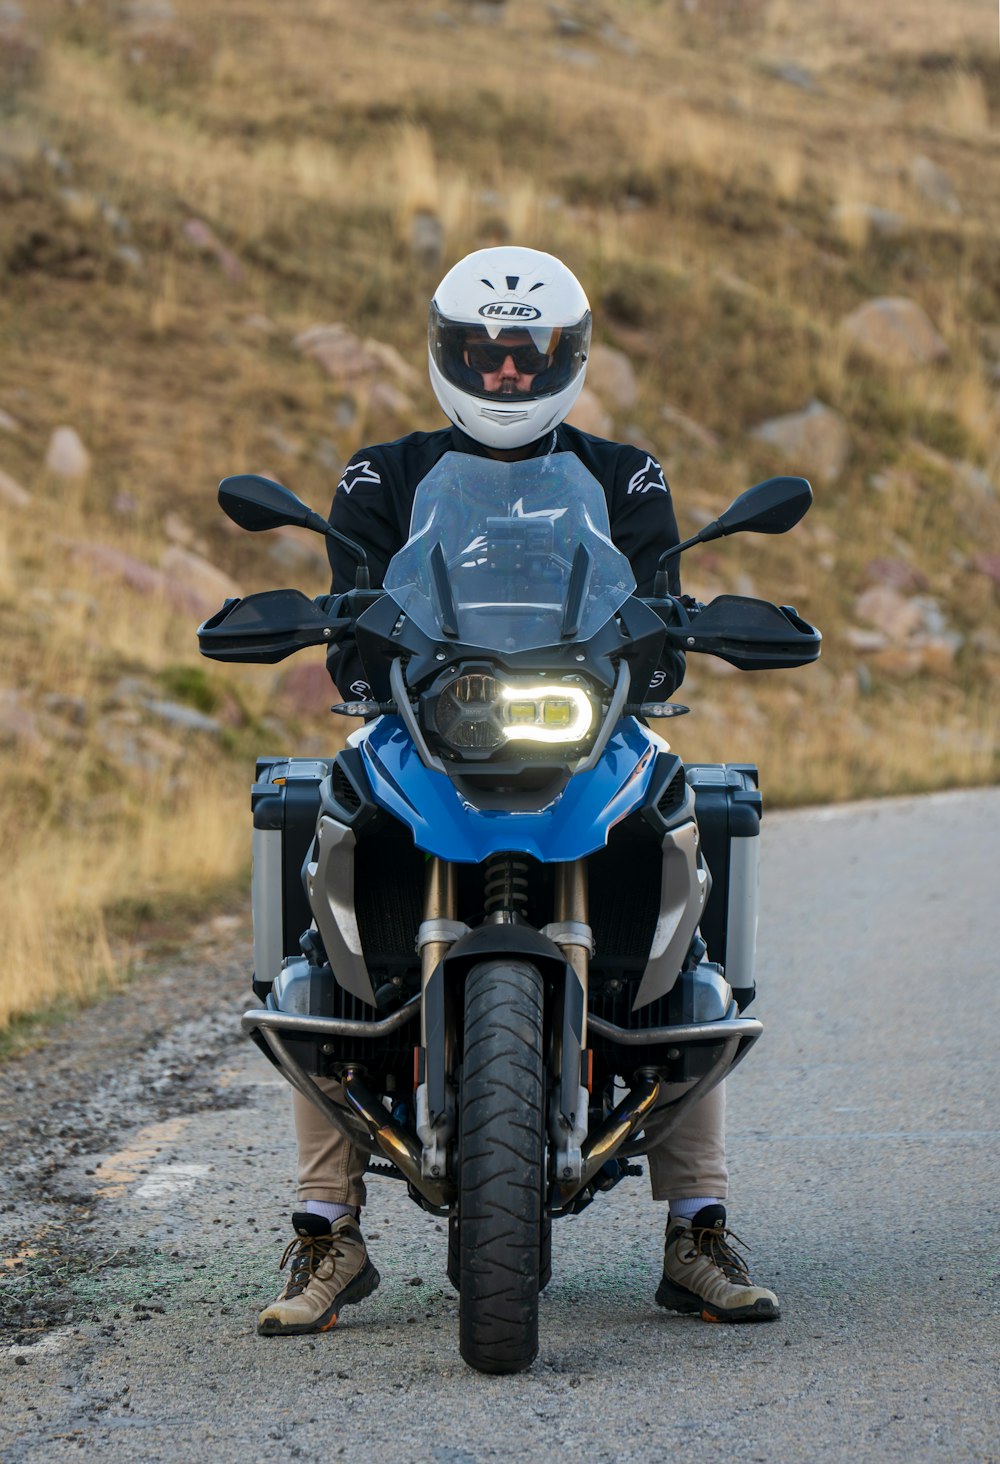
(148, 1161)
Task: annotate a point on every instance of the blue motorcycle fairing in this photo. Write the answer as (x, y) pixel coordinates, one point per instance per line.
(444, 823)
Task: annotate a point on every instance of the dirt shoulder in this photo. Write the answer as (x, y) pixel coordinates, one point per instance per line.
(147, 1053)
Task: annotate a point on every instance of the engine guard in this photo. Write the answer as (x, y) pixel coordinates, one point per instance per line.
(615, 1136)
(365, 1123)
(368, 1126)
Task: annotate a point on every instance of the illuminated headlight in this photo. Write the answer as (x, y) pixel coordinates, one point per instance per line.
(478, 711)
(546, 713)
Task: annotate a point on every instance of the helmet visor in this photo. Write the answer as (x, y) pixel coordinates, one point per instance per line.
(522, 361)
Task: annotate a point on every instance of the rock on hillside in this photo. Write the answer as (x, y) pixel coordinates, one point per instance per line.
(816, 440)
(610, 374)
(894, 332)
(590, 415)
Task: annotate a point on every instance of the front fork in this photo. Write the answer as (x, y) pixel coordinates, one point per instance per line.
(568, 1110)
(570, 1097)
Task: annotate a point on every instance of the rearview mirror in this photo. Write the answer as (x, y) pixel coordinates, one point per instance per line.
(257, 503)
(771, 507)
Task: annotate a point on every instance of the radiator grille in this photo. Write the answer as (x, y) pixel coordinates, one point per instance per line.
(343, 789)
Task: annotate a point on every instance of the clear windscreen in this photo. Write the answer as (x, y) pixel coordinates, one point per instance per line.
(509, 556)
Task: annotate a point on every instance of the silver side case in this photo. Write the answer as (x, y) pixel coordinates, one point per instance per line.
(741, 916)
(265, 898)
(330, 884)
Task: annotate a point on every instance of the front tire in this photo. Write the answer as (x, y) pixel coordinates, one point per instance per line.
(502, 1166)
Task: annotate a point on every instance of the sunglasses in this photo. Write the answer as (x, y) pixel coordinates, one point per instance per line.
(486, 358)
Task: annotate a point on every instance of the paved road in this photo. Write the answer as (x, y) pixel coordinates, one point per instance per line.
(865, 1174)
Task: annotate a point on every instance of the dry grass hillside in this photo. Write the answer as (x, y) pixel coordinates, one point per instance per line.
(189, 190)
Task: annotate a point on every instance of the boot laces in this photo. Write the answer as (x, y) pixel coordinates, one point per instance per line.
(307, 1252)
(714, 1242)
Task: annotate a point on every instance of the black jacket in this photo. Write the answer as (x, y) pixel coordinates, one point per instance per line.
(374, 500)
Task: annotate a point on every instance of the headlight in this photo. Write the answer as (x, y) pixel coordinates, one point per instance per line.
(546, 713)
(480, 712)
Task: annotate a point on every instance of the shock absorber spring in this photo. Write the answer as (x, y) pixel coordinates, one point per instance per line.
(506, 885)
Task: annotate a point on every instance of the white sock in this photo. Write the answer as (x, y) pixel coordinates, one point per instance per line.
(688, 1209)
(331, 1212)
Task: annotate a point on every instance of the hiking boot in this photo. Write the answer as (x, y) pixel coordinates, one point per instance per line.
(329, 1269)
(703, 1273)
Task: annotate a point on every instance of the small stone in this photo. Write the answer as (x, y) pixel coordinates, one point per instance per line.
(862, 219)
(575, 56)
(148, 12)
(934, 184)
(66, 456)
(114, 218)
(205, 239)
(8, 423)
(795, 75)
(865, 640)
(427, 239)
(11, 492)
(78, 207)
(565, 24)
(179, 531)
(187, 719)
(131, 258)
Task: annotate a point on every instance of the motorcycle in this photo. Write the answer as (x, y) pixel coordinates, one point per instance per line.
(507, 893)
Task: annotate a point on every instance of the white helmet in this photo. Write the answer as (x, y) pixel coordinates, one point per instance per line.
(534, 306)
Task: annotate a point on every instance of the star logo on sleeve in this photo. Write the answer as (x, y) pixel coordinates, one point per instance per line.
(648, 479)
(359, 472)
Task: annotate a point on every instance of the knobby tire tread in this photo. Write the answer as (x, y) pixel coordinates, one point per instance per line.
(502, 1117)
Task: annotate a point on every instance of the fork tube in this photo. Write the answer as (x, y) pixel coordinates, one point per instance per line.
(571, 905)
(439, 904)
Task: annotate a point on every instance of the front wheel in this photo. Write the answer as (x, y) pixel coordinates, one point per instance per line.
(502, 1166)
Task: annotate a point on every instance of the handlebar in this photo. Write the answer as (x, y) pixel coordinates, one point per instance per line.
(750, 634)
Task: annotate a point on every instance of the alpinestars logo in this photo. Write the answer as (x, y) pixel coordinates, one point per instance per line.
(648, 479)
(479, 542)
(355, 473)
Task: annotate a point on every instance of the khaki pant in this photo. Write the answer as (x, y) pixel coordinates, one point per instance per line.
(689, 1164)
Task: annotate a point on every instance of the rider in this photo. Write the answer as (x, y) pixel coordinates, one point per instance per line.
(509, 336)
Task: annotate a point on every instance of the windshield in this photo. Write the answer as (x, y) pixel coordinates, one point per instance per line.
(509, 556)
